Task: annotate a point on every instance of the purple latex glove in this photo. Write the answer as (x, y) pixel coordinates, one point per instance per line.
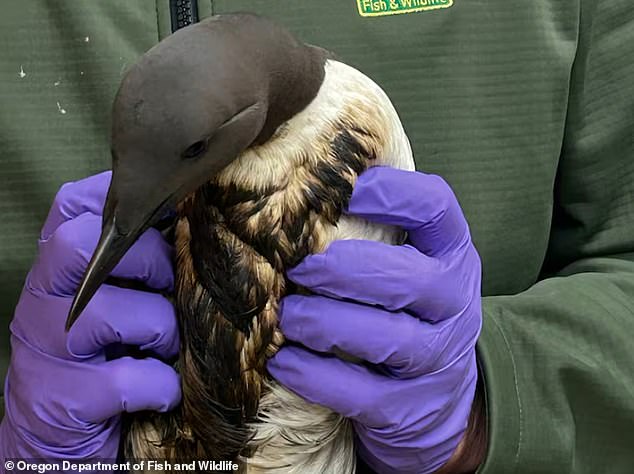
(412, 311)
(63, 399)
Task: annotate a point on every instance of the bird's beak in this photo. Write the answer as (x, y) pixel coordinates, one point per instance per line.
(122, 226)
(111, 247)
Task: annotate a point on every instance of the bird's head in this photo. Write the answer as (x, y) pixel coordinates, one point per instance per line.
(187, 109)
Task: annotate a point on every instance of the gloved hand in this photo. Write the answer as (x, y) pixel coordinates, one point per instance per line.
(413, 312)
(63, 399)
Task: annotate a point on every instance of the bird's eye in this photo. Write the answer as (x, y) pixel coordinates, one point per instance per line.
(195, 149)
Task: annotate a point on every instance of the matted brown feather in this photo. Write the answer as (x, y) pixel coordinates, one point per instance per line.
(233, 245)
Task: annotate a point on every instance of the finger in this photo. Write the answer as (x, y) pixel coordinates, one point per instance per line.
(63, 258)
(407, 346)
(422, 204)
(75, 198)
(118, 315)
(129, 385)
(394, 277)
(348, 389)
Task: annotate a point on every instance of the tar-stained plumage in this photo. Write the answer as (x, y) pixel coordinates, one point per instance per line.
(233, 247)
(239, 227)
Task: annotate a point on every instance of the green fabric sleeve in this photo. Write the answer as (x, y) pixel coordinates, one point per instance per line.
(558, 370)
(558, 359)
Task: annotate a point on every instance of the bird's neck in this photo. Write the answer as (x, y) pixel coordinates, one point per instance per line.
(293, 89)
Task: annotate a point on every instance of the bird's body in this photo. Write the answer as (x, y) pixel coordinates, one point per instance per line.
(237, 232)
(236, 235)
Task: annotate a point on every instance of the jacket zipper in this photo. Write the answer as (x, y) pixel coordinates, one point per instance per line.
(183, 13)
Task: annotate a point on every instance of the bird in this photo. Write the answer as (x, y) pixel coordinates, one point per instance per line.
(249, 142)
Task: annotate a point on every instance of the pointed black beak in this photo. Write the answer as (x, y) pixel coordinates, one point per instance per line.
(127, 214)
(110, 249)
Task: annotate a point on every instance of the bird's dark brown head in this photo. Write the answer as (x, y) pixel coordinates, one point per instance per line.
(186, 110)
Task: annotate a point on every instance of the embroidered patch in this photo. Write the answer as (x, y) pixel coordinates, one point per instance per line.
(394, 7)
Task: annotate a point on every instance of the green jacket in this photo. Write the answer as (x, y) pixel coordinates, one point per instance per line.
(525, 107)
